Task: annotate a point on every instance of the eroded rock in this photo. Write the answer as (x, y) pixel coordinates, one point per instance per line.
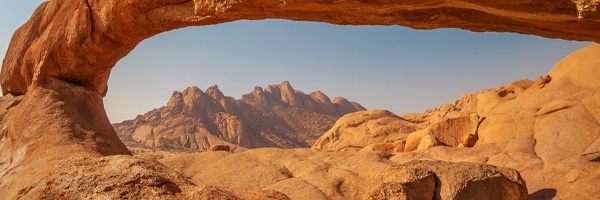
(195, 120)
(310, 174)
(60, 61)
(444, 180)
(357, 130)
(80, 41)
(127, 177)
(550, 134)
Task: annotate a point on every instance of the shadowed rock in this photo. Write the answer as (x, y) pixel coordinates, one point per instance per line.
(219, 148)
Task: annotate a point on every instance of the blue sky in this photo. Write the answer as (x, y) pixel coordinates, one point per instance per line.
(382, 67)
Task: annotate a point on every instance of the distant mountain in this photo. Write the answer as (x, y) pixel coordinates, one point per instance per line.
(277, 116)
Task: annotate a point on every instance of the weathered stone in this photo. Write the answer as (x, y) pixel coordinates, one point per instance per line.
(60, 61)
(447, 180)
(80, 41)
(360, 129)
(349, 175)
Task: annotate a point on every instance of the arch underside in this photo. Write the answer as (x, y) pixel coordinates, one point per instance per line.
(80, 41)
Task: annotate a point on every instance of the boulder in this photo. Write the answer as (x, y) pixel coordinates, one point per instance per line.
(359, 129)
(446, 180)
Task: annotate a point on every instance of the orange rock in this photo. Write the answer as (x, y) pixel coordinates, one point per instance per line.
(79, 42)
(60, 60)
(315, 174)
(360, 129)
(549, 135)
(193, 120)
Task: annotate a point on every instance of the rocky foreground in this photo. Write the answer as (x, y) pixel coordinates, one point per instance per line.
(57, 143)
(532, 140)
(277, 116)
(548, 130)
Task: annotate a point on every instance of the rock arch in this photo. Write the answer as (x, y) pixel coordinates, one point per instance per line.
(80, 41)
(58, 63)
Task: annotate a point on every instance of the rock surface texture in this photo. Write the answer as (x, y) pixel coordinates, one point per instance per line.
(277, 116)
(80, 41)
(54, 132)
(313, 175)
(550, 134)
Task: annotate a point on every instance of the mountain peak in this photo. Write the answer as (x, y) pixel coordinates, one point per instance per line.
(176, 99)
(214, 92)
(192, 91)
(278, 116)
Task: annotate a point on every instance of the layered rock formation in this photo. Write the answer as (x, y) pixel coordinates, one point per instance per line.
(550, 132)
(277, 116)
(57, 66)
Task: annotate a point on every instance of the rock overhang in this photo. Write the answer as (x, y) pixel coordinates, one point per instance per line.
(80, 41)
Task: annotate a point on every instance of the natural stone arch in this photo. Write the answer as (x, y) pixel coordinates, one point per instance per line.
(57, 66)
(80, 41)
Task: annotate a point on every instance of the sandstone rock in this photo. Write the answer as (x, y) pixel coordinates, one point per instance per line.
(360, 129)
(329, 175)
(126, 177)
(428, 141)
(397, 146)
(444, 180)
(542, 81)
(219, 148)
(48, 125)
(543, 133)
(415, 183)
(450, 132)
(60, 61)
(469, 141)
(579, 68)
(80, 42)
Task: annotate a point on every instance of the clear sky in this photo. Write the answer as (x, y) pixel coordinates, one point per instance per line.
(381, 67)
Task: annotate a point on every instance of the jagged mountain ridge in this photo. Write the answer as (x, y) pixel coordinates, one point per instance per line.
(277, 116)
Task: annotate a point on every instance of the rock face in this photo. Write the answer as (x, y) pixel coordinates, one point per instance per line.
(80, 41)
(124, 177)
(49, 124)
(311, 174)
(56, 69)
(360, 129)
(550, 134)
(277, 116)
(445, 180)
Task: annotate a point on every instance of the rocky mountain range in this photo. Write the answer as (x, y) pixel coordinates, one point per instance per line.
(277, 116)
